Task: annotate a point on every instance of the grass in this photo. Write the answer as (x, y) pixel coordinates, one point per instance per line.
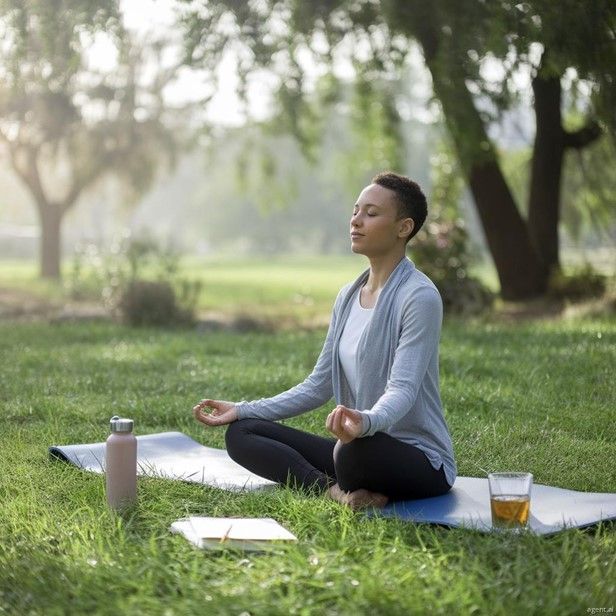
(276, 287)
(537, 397)
(299, 289)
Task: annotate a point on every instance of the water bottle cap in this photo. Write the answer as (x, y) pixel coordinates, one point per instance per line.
(121, 424)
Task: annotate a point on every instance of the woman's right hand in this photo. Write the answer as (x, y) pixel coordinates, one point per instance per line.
(222, 412)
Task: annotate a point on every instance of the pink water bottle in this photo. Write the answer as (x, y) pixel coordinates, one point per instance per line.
(121, 464)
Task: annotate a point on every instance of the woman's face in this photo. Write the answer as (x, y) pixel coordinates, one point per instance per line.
(375, 227)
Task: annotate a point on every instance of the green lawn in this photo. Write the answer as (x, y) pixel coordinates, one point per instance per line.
(538, 397)
(275, 289)
(302, 288)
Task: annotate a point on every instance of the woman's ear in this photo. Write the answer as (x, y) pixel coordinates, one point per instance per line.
(406, 227)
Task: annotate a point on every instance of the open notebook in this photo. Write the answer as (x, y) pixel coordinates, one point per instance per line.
(241, 533)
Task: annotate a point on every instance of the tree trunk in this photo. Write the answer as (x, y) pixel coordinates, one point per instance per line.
(544, 197)
(520, 270)
(50, 252)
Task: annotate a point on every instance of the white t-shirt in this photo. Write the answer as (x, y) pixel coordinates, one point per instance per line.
(357, 321)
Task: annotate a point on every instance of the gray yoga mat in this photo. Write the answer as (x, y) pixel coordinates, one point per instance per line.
(174, 455)
(170, 455)
(467, 505)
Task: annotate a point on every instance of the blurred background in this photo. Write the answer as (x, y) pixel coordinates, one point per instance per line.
(235, 137)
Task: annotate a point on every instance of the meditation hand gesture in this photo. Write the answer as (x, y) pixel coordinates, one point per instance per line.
(222, 413)
(344, 423)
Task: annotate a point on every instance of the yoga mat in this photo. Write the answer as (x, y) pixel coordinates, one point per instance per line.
(174, 455)
(467, 505)
(170, 455)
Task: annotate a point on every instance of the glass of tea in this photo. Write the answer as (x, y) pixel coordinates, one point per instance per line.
(510, 499)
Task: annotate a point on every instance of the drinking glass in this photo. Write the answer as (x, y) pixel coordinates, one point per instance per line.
(510, 499)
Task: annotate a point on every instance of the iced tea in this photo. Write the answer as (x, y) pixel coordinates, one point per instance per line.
(509, 511)
(510, 499)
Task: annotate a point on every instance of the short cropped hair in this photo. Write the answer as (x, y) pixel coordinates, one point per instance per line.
(410, 199)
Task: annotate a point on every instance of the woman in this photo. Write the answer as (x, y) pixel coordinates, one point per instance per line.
(379, 362)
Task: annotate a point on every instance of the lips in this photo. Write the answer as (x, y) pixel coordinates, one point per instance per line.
(356, 235)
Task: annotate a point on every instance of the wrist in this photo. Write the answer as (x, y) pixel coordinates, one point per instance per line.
(240, 410)
(366, 424)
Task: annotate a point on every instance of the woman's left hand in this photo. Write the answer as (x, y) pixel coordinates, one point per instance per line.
(344, 423)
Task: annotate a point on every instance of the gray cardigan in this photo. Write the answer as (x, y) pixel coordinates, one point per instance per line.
(397, 368)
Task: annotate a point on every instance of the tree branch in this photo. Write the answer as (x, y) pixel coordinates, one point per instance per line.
(583, 137)
(28, 173)
(82, 182)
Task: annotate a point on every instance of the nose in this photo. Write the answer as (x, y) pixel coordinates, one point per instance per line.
(355, 219)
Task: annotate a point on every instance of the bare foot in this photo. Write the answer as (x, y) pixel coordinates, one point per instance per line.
(359, 499)
(336, 493)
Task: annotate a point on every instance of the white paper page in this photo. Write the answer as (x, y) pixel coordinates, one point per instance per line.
(238, 529)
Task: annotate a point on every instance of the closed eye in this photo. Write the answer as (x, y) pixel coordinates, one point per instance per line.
(371, 213)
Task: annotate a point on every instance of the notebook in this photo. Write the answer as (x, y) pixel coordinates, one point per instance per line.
(241, 533)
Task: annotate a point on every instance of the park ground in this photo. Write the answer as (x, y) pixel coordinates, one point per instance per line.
(534, 394)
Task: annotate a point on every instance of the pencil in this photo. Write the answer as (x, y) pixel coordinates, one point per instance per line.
(226, 534)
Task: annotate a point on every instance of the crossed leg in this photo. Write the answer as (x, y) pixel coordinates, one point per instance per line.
(367, 472)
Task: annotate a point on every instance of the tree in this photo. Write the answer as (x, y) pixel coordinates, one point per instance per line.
(458, 38)
(66, 125)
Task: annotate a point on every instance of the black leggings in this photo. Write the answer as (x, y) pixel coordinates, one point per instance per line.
(378, 463)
